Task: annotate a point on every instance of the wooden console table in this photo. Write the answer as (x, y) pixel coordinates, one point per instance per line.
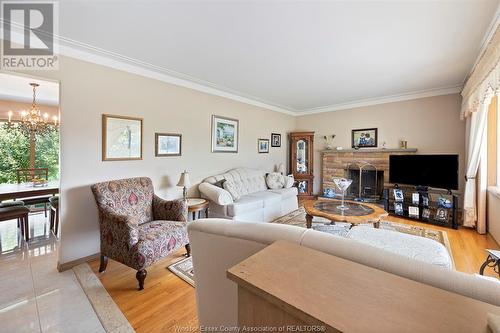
(288, 284)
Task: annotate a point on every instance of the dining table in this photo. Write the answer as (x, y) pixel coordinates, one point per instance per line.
(26, 190)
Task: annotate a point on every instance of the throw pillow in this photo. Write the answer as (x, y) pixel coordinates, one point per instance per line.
(231, 187)
(219, 183)
(275, 180)
(289, 181)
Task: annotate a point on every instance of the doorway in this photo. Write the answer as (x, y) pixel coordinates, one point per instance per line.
(29, 162)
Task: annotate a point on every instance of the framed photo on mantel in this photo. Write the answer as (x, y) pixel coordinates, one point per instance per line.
(364, 138)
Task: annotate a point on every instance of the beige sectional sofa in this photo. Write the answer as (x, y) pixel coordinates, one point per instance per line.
(256, 203)
(219, 244)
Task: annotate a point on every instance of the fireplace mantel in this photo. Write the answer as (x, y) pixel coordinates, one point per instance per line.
(370, 150)
(334, 162)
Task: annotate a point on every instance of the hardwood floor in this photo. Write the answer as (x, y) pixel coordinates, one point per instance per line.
(167, 304)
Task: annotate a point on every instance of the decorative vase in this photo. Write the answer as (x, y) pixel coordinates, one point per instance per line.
(342, 184)
(329, 141)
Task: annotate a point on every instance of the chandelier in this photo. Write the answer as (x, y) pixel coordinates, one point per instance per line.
(32, 122)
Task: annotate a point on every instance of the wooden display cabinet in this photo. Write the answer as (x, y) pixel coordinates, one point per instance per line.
(301, 161)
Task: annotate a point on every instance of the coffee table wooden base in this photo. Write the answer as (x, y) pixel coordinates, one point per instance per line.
(309, 219)
(374, 217)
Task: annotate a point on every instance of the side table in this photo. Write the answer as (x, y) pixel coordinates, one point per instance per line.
(491, 261)
(196, 205)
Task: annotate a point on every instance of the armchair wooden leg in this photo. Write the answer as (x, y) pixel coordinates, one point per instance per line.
(141, 276)
(188, 250)
(104, 264)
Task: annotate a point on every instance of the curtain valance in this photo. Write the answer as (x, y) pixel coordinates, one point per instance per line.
(484, 82)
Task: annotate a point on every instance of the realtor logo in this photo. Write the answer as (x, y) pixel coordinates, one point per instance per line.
(28, 30)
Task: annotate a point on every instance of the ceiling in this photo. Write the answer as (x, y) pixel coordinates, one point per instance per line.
(299, 56)
(17, 88)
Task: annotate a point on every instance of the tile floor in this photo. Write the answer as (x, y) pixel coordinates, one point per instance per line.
(34, 296)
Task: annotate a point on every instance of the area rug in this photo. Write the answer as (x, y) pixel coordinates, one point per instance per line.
(298, 218)
(183, 269)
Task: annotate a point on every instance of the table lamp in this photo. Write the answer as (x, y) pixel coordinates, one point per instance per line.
(281, 168)
(184, 183)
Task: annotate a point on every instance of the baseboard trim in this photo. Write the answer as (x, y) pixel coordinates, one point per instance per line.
(70, 264)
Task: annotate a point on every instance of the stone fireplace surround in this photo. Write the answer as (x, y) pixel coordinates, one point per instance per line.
(334, 162)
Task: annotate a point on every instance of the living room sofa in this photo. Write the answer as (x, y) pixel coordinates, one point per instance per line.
(256, 202)
(219, 244)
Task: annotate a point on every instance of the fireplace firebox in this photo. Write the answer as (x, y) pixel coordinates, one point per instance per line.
(367, 181)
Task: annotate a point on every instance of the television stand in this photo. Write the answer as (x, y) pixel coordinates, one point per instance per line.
(440, 208)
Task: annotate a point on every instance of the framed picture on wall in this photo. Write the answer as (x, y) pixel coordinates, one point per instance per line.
(168, 144)
(224, 135)
(263, 145)
(364, 138)
(275, 140)
(121, 138)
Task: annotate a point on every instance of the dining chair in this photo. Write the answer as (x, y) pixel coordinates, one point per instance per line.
(17, 212)
(13, 203)
(30, 175)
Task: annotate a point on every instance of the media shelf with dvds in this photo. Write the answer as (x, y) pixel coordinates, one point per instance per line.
(428, 206)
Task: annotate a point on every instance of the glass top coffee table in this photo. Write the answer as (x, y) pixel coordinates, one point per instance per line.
(357, 212)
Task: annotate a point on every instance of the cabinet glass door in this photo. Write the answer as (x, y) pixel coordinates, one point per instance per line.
(302, 162)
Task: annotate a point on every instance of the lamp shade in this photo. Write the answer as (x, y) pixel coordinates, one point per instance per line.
(184, 180)
(281, 168)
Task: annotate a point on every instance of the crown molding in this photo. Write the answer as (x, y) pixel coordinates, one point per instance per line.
(96, 55)
(74, 49)
(92, 54)
(29, 100)
(85, 52)
(383, 100)
(488, 35)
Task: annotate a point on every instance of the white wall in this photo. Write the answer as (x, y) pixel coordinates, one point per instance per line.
(432, 125)
(88, 91)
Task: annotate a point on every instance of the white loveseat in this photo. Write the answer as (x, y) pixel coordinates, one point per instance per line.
(219, 244)
(257, 203)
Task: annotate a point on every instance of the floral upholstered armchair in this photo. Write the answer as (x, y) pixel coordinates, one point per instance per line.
(137, 227)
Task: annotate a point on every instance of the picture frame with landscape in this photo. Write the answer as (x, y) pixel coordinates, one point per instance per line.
(364, 138)
(121, 138)
(225, 133)
(168, 144)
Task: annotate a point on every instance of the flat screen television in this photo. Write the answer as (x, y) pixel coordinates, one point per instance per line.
(439, 171)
